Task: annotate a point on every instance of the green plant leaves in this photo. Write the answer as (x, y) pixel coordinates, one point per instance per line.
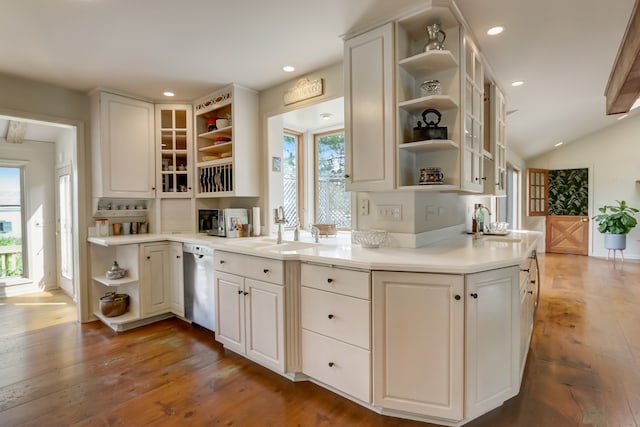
(620, 220)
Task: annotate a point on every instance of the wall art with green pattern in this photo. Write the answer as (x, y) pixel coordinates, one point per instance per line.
(569, 192)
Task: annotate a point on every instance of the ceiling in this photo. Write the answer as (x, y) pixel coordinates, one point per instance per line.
(562, 50)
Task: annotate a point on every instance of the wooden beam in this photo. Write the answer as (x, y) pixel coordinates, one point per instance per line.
(623, 87)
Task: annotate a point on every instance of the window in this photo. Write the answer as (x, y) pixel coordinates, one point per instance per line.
(332, 201)
(292, 169)
(11, 250)
(537, 185)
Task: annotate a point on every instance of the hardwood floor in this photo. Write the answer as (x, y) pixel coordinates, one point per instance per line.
(583, 368)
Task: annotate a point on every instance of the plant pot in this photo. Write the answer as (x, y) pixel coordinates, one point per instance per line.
(615, 241)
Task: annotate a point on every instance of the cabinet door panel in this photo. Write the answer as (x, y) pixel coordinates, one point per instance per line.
(156, 274)
(369, 105)
(127, 139)
(265, 323)
(492, 339)
(230, 311)
(418, 343)
(176, 282)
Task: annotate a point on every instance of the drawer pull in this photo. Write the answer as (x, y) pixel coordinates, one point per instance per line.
(532, 282)
(329, 280)
(266, 270)
(530, 292)
(330, 316)
(246, 293)
(239, 292)
(221, 261)
(331, 364)
(474, 295)
(525, 270)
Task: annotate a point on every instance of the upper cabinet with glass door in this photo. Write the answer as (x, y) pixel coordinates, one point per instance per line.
(473, 107)
(226, 149)
(173, 150)
(428, 96)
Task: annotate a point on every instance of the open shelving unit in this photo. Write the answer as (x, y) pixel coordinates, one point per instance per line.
(414, 66)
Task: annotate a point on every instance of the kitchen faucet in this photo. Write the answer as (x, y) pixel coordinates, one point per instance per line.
(279, 218)
(315, 233)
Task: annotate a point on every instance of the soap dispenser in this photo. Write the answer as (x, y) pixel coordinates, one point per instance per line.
(477, 223)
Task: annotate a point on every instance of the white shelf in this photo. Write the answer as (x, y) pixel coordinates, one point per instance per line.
(429, 145)
(113, 213)
(443, 187)
(219, 162)
(116, 282)
(217, 148)
(439, 102)
(117, 320)
(215, 133)
(432, 61)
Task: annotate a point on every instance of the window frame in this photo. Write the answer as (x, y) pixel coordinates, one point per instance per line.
(317, 136)
(300, 163)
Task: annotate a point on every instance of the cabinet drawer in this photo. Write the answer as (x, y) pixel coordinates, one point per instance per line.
(337, 364)
(338, 316)
(253, 267)
(342, 281)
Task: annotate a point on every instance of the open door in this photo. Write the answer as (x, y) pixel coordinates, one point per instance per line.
(64, 231)
(562, 196)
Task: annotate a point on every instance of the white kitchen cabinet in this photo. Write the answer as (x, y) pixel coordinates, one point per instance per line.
(416, 66)
(418, 343)
(122, 145)
(176, 281)
(529, 289)
(336, 328)
(473, 118)
(370, 110)
(174, 165)
(227, 158)
(250, 312)
(161, 279)
(492, 339)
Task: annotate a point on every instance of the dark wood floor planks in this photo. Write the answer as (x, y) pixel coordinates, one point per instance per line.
(583, 368)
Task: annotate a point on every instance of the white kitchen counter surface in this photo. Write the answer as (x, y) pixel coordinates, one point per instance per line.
(459, 254)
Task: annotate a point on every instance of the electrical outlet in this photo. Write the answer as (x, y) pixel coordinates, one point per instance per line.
(390, 212)
(364, 207)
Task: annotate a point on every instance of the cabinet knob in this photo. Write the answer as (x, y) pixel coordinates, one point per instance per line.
(246, 293)
(239, 292)
(484, 178)
(329, 280)
(148, 257)
(346, 175)
(476, 178)
(530, 292)
(525, 270)
(330, 316)
(532, 282)
(266, 270)
(457, 297)
(474, 295)
(178, 256)
(221, 261)
(153, 188)
(331, 364)
(189, 188)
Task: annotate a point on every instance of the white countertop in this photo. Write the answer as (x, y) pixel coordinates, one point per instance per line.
(459, 254)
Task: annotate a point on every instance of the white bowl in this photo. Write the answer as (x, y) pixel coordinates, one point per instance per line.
(368, 238)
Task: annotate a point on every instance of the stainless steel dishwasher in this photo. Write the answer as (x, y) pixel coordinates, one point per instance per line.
(199, 295)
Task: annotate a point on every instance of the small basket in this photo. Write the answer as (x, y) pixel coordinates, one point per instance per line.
(326, 229)
(113, 304)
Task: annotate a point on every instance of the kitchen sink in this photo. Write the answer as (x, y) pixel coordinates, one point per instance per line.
(289, 246)
(255, 244)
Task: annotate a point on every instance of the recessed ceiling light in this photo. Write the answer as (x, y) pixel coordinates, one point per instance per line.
(169, 94)
(622, 116)
(495, 31)
(289, 68)
(559, 144)
(518, 83)
(326, 116)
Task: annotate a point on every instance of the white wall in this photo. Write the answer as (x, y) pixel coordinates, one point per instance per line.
(39, 206)
(613, 154)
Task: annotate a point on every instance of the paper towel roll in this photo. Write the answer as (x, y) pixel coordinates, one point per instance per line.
(256, 221)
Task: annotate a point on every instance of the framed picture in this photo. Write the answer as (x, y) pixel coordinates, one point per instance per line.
(276, 164)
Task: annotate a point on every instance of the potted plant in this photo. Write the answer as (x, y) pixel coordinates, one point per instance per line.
(616, 222)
